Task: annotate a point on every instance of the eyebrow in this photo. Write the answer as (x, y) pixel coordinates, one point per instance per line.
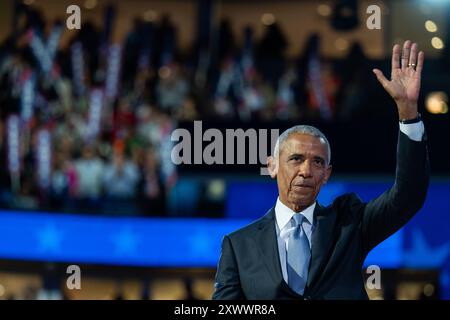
(294, 155)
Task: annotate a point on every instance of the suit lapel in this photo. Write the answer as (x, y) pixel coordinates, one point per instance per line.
(321, 241)
(266, 241)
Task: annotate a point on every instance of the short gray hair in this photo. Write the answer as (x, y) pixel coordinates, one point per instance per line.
(302, 129)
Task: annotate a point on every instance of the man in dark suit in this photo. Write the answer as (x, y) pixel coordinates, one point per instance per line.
(302, 250)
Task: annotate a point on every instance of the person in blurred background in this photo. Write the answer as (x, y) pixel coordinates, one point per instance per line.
(90, 170)
(172, 88)
(120, 178)
(302, 250)
(64, 183)
(152, 194)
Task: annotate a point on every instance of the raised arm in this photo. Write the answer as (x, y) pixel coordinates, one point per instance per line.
(389, 212)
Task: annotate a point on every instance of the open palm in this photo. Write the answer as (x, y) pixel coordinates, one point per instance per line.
(404, 86)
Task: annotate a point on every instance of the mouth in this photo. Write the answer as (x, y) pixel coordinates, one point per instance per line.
(303, 186)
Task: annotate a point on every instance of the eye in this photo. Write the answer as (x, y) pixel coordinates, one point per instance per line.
(296, 158)
(318, 162)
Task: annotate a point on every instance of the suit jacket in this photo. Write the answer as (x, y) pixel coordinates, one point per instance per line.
(345, 232)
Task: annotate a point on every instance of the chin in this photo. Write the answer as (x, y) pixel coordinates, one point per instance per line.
(300, 201)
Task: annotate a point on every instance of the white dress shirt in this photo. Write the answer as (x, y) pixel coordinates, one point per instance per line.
(283, 216)
(283, 213)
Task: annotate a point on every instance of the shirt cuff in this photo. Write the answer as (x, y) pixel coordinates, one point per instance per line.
(414, 131)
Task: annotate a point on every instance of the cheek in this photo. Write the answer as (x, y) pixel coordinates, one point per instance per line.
(291, 175)
(287, 175)
(320, 178)
(281, 179)
(286, 181)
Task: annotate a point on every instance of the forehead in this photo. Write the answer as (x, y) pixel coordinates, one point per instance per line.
(304, 143)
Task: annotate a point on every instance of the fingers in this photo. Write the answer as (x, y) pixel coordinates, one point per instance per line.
(381, 78)
(405, 54)
(396, 50)
(420, 62)
(413, 56)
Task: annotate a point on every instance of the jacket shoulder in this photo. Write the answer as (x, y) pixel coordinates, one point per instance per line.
(347, 199)
(252, 227)
(348, 204)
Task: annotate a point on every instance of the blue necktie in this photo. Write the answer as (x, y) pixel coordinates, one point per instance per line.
(298, 255)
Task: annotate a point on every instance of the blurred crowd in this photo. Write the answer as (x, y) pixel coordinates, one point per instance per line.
(110, 108)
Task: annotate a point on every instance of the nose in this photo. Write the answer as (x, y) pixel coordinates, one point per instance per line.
(305, 169)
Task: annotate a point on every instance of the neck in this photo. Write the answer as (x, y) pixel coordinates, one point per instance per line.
(295, 206)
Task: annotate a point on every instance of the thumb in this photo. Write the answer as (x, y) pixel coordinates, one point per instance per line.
(381, 78)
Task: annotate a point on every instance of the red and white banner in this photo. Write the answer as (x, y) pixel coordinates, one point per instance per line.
(318, 90)
(95, 114)
(27, 97)
(78, 68)
(13, 139)
(113, 71)
(43, 158)
(45, 53)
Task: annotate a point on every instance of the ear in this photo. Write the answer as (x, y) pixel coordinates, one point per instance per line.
(327, 174)
(272, 167)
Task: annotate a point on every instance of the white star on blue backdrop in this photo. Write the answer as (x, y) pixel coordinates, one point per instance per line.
(422, 255)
